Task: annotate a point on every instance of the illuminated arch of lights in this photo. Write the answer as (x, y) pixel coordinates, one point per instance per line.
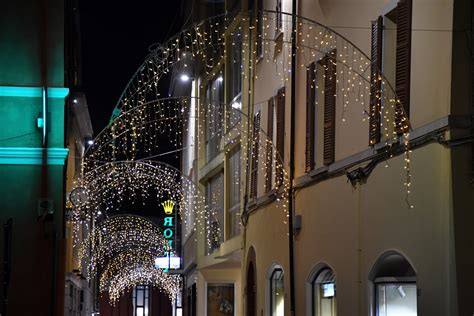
(108, 186)
(118, 234)
(142, 118)
(142, 115)
(136, 267)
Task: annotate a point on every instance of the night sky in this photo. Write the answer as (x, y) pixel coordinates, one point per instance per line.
(115, 41)
(116, 36)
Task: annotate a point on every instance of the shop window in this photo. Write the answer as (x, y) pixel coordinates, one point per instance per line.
(220, 299)
(277, 293)
(323, 290)
(396, 298)
(394, 286)
(141, 301)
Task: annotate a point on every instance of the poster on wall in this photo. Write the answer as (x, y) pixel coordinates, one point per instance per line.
(220, 299)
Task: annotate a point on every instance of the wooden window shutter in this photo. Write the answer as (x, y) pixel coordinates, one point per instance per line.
(255, 151)
(403, 60)
(269, 153)
(280, 133)
(329, 63)
(375, 82)
(310, 115)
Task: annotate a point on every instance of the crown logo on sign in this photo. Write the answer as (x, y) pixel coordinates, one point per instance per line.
(168, 206)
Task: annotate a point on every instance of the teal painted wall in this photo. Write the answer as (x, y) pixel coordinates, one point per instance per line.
(33, 240)
(25, 50)
(32, 55)
(18, 122)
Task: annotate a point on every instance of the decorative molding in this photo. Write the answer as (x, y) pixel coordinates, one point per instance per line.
(32, 156)
(33, 92)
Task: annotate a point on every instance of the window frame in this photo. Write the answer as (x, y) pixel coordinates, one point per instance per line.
(220, 215)
(212, 144)
(221, 284)
(395, 281)
(282, 278)
(310, 282)
(268, 288)
(380, 266)
(278, 18)
(146, 299)
(235, 83)
(233, 210)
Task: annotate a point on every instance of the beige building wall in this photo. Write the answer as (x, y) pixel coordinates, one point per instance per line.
(350, 228)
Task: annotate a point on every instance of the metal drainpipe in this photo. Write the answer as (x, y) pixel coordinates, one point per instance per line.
(292, 159)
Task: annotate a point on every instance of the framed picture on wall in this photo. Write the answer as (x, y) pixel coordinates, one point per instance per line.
(220, 299)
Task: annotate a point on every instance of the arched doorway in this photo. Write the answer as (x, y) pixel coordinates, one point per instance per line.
(251, 288)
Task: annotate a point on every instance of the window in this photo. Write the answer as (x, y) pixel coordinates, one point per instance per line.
(329, 63)
(375, 82)
(214, 110)
(396, 299)
(276, 137)
(255, 153)
(234, 192)
(215, 200)
(277, 293)
(314, 115)
(323, 291)
(191, 299)
(279, 18)
(390, 54)
(259, 26)
(235, 65)
(220, 299)
(394, 286)
(141, 301)
(269, 149)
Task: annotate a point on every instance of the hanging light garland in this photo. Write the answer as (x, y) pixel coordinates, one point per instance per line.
(132, 268)
(118, 234)
(107, 187)
(120, 163)
(141, 115)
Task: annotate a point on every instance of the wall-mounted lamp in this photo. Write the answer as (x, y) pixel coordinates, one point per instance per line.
(184, 78)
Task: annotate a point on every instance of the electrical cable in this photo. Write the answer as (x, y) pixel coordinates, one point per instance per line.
(15, 137)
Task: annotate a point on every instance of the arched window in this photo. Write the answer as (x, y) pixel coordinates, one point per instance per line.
(394, 282)
(277, 293)
(323, 293)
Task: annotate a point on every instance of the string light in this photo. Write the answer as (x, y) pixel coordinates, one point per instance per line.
(136, 267)
(118, 164)
(206, 43)
(118, 234)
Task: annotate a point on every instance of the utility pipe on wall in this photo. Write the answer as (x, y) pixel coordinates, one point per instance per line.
(291, 211)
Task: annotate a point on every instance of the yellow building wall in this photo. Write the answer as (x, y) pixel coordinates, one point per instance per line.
(218, 276)
(350, 228)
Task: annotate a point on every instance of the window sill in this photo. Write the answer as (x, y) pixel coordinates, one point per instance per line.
(211, 168)
(268, 197)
